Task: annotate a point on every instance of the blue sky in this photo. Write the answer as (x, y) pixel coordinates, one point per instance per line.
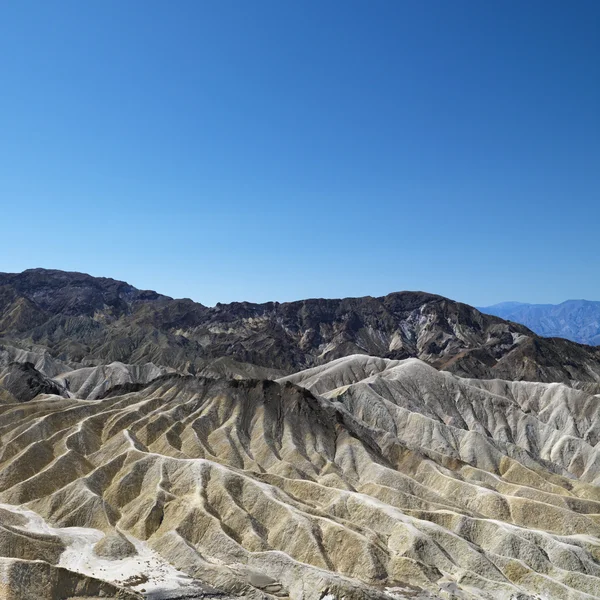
(280, 150)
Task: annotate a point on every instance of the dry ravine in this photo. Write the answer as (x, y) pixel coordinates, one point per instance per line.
(364, 478)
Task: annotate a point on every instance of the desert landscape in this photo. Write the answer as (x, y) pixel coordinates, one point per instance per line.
(299, 300)
(357, 477)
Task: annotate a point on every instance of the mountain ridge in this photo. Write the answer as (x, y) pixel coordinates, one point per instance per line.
(92, 321)
(394, 481)
(577, 319)
(401, 447)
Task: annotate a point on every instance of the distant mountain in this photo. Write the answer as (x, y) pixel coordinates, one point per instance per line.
(576, 320)
(87, 321)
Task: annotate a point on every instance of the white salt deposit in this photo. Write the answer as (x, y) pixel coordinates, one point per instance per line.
(145, 571)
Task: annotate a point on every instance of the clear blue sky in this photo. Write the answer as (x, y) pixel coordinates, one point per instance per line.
(280, 150)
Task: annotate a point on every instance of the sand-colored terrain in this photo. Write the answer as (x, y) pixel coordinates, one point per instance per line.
(362, 478)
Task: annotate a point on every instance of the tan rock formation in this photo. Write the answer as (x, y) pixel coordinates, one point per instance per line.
(395, 481)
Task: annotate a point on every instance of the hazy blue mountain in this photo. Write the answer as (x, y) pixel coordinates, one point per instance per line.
(577, 320)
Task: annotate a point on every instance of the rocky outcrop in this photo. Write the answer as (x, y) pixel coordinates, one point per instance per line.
(21, 382)
(364, 478)
(366, 448)
(93, 321)
(39, 580)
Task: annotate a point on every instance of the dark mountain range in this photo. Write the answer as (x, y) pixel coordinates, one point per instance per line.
(576, 320)
(83, 320)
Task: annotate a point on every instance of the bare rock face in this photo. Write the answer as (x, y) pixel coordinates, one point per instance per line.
(96, 321)
(360, 449)
(95, 382)
(364, 478)
(23, 544)
(39, 580)
(22, 382)
(114, 546)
